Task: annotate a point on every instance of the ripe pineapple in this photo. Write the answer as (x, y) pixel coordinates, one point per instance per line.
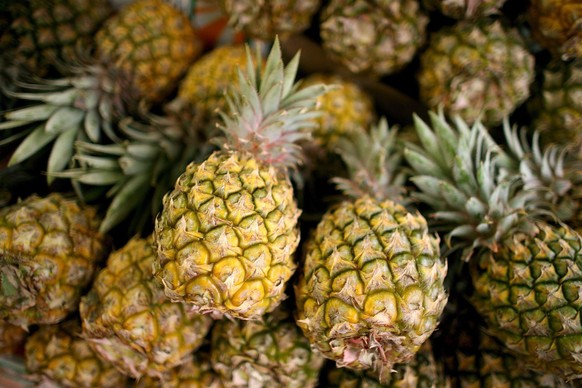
(370, 291)
(57, 355)
(557, 109)
(466, 9)
(141, 52)
(11, 338)
(374, 38)
(524, 264)
(422, 372)
(227, 232)
(41, 34)
(557, 26)
(477, 70)
(50, 248)
(344, 109)
(264, 353)
(264, 19)
(196, 372)
(130, 323)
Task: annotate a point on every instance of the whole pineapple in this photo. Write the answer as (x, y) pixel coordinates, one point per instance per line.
(227, 232)
(41, 34)
(422, 372)
(344, 109)
(264, 353)
(130, 323)
(57, 354)
(524, 264)
(264, 19)
(466, 9)
(477, 70)
(50, 248)
(372, 37)
(370, 291)
(557, 26)
(140, 53)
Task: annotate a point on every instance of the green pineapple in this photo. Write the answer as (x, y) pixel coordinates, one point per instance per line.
(524, 264)
(264, 353)
(372, 37)
(370, 291)
(477, 70)
(59, 355)
(227, 232)
(50, 248)
(140, 54)
(130, 323)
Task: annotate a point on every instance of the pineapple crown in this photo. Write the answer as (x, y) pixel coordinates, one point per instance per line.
(459, 172)
(269, 112)
(374, 162)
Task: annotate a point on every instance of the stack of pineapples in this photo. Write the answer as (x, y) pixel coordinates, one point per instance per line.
(209, 193)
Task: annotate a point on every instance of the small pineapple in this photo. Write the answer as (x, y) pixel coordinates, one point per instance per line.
(59, 355)
(130, 323)
(227, 232)
(422, 372)
(557, 109)
(41, 34)
(271, 352)
(523, 263)
(344, 109)
(264, 19)
(477, 70)
(466, 9)
(372, 37)
(140, 53)
(557, 26)
(50, 248)
(371, 289)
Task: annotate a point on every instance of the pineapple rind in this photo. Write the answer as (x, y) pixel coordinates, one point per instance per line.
(466, 9)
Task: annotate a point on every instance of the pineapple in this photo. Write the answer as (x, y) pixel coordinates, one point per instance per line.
(422, 372)
(271, 352)
(345, 109)
(226, 234)
(372, 37)
(557, 26)
(196, 372)
(477, 70)
(11, 338)
(524, 264)
(263, 19)
(59, 355)
(50, 248)
(130, 323)
(466, 9)
(41, 34)
(557, 109)
(370, 291)
(140, 54)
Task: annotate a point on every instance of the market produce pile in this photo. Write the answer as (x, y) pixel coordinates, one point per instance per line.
(293, 193)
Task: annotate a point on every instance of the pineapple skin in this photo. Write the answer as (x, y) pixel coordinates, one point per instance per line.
(557, 26)
(149, 45)
(371, 289)
(50, 248)
(479, 71)
(58, 354)
(41, 34)
(466, 9)
(264, 353)
(373, 38)
(529, 294)
(11, 338)
(128, 320)
(345, 109)
(264, 19)
(226, 236)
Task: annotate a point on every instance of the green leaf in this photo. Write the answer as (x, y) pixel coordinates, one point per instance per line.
(61, 153)
(33, 113)
(64, 119)
(92, 125)
(125, 201)
(31, 145)
(101, 178)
